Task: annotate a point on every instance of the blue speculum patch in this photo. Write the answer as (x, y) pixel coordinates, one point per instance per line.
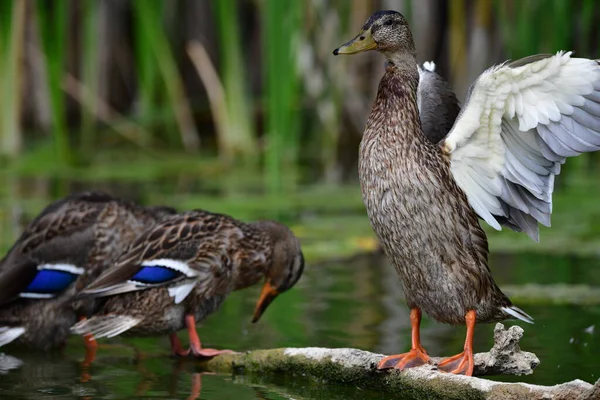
(48, 281)
(155, 275)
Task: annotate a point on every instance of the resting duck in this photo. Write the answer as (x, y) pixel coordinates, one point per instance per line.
(519, 123)
(63, 248)
(180, 271)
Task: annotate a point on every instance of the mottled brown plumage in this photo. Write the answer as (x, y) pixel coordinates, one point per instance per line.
(211, 253)
(422, 218)
(84, 230)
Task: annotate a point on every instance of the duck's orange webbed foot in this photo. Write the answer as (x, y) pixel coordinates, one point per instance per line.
(195, 349)
(461, 364)
(416, 356)
(413, 358)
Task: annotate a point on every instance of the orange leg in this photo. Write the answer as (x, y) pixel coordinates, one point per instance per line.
(91, 346)
(176, 346)
(90, 349)
(417, 354)
(462, 363)
(195, 344)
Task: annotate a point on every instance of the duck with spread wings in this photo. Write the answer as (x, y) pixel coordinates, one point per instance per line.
(519, 123)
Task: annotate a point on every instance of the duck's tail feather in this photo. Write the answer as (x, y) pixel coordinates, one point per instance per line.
(105, 325)
(517, 313)
(10, 333)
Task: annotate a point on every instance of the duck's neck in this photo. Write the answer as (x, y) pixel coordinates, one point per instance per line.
(395, 116)
(253, 259)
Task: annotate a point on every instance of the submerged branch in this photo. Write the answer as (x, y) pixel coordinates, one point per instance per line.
(358, 368)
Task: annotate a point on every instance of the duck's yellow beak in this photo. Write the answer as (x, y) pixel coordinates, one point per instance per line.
(267, 295)
(363, 42)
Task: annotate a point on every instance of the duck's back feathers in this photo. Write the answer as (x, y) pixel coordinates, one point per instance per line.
(64, 217)
(184, 252)
(519, 124)
(438, 105)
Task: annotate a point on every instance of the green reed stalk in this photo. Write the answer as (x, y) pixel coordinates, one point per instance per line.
(53, 32)
(240, 137)
(151, 31)
(282, 22)
(148, 76)
(562, 26)
(12, 28)
(89, 67)
(588, 7)
(587, 13)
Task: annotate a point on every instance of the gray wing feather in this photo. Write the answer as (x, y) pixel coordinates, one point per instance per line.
(534, 158)
(438, 105)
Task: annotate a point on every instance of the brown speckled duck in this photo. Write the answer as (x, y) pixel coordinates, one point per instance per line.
(180, 271)
(498, 162)
(62, 249)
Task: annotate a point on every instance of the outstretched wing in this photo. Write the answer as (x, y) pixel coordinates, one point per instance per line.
(438, 105)
(520, 122)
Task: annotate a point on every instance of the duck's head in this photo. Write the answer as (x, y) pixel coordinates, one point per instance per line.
(286, 267)
(386, 32)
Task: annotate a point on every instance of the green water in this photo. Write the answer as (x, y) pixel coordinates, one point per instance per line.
(352, 302)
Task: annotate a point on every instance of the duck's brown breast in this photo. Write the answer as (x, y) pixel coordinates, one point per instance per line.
(423, 220)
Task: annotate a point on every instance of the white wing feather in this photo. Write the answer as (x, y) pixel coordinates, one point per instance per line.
(518, 126)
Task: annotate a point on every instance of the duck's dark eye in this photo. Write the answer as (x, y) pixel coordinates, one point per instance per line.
(362, 38)
(389, 22)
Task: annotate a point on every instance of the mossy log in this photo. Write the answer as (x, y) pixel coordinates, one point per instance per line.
(358, 368)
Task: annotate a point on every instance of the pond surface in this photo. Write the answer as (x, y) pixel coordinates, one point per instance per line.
(352, 303)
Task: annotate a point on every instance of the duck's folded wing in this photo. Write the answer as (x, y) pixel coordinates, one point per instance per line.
(47, 271)
(15, 277)
(438, 105)
(520, 122)
(162, 257)
(50, 253)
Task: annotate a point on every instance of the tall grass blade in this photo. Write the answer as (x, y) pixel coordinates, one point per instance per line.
(52, 19)
(89, 67)
(216, 97)
(12, 36)
(148, 76)
(240, 137)
(281, 25)
(151, 27)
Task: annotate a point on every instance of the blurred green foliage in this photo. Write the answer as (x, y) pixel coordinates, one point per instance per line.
(94, 76)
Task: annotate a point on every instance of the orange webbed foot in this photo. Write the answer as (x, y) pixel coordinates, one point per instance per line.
(460, 364)
(208, 353)
(196, 350)
(414, 358)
